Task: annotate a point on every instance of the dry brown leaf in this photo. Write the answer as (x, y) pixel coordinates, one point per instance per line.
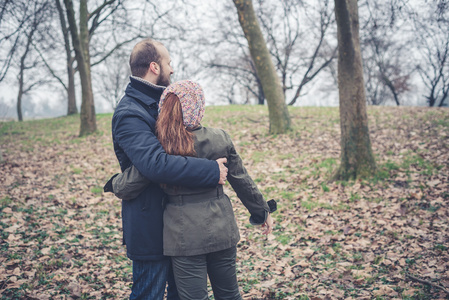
(7, 210)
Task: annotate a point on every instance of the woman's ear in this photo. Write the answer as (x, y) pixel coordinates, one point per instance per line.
(154, 67)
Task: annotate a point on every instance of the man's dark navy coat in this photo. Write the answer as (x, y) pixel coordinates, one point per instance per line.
(135, 142)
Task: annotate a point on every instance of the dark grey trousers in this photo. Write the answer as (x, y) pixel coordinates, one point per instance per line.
(191, 275)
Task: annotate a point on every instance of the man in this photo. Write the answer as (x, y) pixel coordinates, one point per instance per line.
(135, 143)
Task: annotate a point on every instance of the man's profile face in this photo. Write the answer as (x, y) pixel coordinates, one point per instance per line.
(166, 69)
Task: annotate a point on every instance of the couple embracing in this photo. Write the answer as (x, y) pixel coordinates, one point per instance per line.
(178, 225)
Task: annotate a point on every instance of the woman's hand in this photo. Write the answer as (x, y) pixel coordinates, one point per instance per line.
(268, 225)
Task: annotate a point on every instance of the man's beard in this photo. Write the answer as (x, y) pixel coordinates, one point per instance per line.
(163, 79)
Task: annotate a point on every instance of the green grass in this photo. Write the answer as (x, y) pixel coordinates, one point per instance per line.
(311, 205)
(98, 190)
(288, 195)
(45, 131)
(284, 239)
(441, 247)
(328, 164)
(77, 170)
(5, 201)
(259, 156)
(442, 122)
(414, 160)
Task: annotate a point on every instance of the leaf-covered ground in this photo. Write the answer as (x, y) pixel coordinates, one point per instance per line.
(383, 238)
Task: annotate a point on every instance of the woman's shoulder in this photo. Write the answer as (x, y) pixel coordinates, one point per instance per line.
(213, 132)
(212, 143)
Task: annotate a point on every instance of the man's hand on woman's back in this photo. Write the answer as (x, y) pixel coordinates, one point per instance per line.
(223, 170)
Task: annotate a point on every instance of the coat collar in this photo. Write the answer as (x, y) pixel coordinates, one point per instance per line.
(197, 128)
(144, 91)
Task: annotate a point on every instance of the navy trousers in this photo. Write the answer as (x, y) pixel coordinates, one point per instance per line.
(150, 278)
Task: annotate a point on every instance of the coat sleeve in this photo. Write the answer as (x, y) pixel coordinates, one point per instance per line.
(129, 184)
(135, 137)
(245, 187)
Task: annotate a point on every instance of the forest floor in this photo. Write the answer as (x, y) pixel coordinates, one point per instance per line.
(382, 238)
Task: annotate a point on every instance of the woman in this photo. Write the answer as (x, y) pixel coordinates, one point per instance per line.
(200, 231)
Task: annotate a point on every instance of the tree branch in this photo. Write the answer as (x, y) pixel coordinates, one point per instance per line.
(428, 283)
(31, 86)
(98, 10)
(213, 65)
(114, 49)
(96, 23)
(307, 78)
(3, 9)
(48, 67)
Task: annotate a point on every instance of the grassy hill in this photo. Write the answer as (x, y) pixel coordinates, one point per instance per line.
(387, 237)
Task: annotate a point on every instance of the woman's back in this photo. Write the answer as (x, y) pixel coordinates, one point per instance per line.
(199, 221)
(210, 143)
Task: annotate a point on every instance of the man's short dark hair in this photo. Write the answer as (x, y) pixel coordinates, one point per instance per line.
(142, 55)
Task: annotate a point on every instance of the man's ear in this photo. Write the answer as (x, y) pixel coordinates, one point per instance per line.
(154, 67)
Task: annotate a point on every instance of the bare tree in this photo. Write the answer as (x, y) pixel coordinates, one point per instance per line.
(387, 65)
(113, 78)
(80, 40)
(49, 51)
(357, 159)
(240, 72)
(82, 34)
(298, 39)
(433, 45)
(278, 112)
(38, 12)
(297, 63)
(221, 52)
(11, 33)
(70, 59)
(388, 75)
(119, 28)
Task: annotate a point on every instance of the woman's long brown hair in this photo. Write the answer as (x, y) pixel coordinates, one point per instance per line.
(170, 129)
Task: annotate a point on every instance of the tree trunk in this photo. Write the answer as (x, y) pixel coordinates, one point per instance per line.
(357, 160)
(71, 96)
(443, 99)
(391, 86)
(71, 106)
(272, 89)
(22, 72)
(21, 88)
(431, 99)
(19, 97)
(80, 42)
(261, 96)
